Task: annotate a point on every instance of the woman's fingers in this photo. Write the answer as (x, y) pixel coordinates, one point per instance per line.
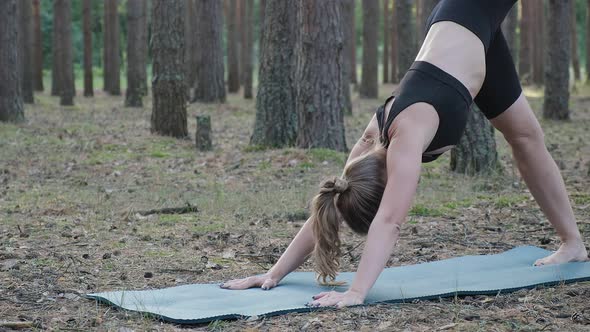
(268, 284)
(320, 295)
(238, 284)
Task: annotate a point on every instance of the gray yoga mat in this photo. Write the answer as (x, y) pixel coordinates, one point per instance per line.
(486, 274)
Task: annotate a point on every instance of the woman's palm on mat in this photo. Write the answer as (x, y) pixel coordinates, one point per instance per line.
(263, 281)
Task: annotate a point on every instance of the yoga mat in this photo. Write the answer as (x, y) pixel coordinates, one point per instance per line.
(484, 274)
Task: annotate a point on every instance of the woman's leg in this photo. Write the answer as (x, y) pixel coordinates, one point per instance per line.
(538, 169)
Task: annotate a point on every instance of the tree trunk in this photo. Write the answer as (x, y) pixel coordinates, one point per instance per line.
(509, 30)
(555, 104)
(87, 28)
(348, 19)
(233, 63)
(56, 85)
(37, 48)
(136, 35)
(476, 152)
(276, 115)
(320, 118)
(144, 48)
(386, 40)
(574, 43)
(262, 14)
(112, 60)
(539, 42)
(526, 40)
(191, 44)
(25, 37)
(352, 27)
(345, 15)
(210, 85)
(11, 102)
(394, 44)
(369, 80)
(169, 83)
(248, 49)
(405, 36)
(63, 33)
(587, 41)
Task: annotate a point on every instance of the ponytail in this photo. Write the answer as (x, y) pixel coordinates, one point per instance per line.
(326, 226)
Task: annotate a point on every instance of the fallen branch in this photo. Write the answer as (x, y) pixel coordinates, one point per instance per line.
(17, 325)
(170, 210)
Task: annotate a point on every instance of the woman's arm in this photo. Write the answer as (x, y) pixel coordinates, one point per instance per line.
(295, 255)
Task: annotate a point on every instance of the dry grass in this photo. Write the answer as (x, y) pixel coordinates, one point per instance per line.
(72, 178)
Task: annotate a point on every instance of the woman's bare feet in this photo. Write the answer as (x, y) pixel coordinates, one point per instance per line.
(574, 252)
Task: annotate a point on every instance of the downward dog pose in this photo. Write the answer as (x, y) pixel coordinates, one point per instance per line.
(464, 58)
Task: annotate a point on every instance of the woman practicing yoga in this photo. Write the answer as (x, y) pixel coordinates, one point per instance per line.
(464, 58)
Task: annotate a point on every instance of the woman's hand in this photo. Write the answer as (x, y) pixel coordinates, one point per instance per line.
(337, 299)
(264, 281)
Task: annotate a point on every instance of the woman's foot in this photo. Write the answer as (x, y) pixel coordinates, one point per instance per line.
(575, 252)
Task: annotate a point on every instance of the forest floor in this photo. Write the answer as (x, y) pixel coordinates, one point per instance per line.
(72, 180)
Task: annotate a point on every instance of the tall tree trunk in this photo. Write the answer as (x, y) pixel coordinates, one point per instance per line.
(526, 40)
(320, 118)
(63, 34)
(345, 14)
(574, 43)
(509, 30)
(191, 43)
(143, 49)
(476, 152)
(394, 44)
(539, 42)
(210, 85)
(369, 80)
(348, 20)
(555, 104)
(248, 28)
(136, 35)
(241, 23)
(56, 84)
(37, 48)
(25, 49)
(233, 62)
(87, 28)
(405, 36)
(11, 101)
(587, 41)
(262, 14)
(169, 83)
(276, 115)
(386, 40)
(112, 60)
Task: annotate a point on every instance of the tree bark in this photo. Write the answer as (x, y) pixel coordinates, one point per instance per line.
(25, 49)
(386, 40)
(87, 32)
(509, 30)
(210, 85)
(574, 43)
(345, 8)
(63, 34)
(169, 84)
(555, 104)
(476, 152)
(55, 82)
(526, 40)
(248, 49)
(394, 45)
(405, 36)
(191, 43)
(369, 80)
(262, 14)
(348, 20)
(136, 61)
(539, 42)
(319, 82)
(112, 60)
(233, 64)
(276, 115)
(11, 102)
(423, 9)
(37, 48)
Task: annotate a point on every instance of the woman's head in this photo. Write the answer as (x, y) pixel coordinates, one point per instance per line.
(354, 198)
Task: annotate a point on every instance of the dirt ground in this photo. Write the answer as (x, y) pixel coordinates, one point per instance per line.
(73, 179)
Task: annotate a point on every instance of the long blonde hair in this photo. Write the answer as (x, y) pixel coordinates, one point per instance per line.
(353, 198)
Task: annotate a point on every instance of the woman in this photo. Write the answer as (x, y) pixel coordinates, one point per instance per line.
(464, 58)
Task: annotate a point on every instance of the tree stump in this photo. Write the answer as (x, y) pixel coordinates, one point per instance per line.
(203, 134)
